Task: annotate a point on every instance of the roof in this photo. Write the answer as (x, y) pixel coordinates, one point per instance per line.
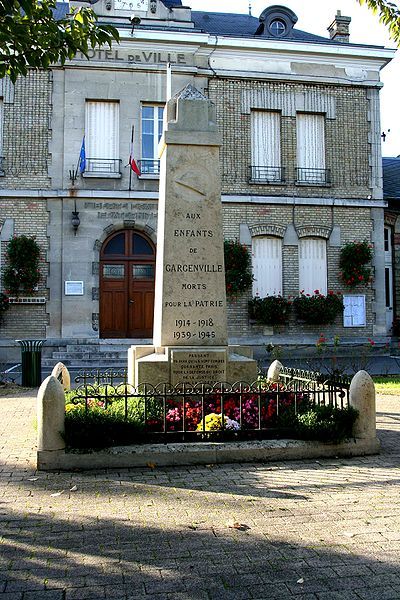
(171, 3)
(391, 177)
(236, 25)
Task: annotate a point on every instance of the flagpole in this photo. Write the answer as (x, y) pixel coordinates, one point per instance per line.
(130, 153)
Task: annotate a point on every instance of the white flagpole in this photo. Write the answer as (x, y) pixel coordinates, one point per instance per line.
(169, 81)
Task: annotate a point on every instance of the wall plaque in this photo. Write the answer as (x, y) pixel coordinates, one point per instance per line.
(73, 288)
(354, 314)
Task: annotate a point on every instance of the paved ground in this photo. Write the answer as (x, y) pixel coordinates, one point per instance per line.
(326, 530)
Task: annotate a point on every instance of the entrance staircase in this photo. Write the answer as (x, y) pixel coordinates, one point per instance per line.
(88, 354)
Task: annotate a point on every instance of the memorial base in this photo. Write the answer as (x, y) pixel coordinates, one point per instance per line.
(190, 365)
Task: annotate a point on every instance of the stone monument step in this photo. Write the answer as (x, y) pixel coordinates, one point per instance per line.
(87, 363)
(88, 355)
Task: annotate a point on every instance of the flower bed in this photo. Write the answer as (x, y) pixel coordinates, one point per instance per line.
(103, 417)
(318, 309)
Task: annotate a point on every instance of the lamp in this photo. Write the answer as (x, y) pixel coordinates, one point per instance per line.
(153, 6)
(75, 220)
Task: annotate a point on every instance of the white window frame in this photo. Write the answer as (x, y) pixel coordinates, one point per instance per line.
(150, 161)
(267, 266)
(311, 161)
(354, 313)
(313, 265)
(266, 146)
(102, 138)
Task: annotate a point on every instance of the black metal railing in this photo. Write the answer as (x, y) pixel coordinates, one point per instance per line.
(263, 174)
(202, 412)
(103, 166)
(149, 167)
(313, 176)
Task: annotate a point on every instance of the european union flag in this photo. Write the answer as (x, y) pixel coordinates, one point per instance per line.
(82, 157)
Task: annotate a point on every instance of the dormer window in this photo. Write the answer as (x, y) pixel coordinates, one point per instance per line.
(276, 21)
(277, 27)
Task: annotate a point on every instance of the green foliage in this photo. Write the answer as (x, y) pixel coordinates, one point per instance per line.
(30, 37)
(326, 423)
(22, 270)
(4, 305)
(238, 274)
(271, 310)
(99, 427)
(318, 309)
(389, 15)
(353, 258)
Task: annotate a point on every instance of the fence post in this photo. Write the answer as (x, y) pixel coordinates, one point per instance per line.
(50, 415)
(274, 371)
(362, 398)
(61, 373)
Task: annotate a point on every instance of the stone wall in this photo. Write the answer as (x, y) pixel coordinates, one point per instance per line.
(29, 217)
(347, 129)
(26, 131)
(343, 219)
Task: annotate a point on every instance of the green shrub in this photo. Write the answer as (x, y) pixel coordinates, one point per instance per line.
(354, 257)
(326, 423)
(318, 309)
(271, 310)
(238, 273)
(22, 269)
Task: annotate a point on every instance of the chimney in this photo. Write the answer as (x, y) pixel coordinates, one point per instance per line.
(339, 29)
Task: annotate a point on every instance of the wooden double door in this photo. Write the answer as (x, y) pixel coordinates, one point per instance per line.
(127, 278)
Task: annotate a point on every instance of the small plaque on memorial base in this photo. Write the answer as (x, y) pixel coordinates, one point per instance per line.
(198, 366)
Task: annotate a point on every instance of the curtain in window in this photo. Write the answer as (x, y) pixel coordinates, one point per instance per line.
(102, 129)
(312, 265)
(267, 266)
(265, 145)
(310, 147)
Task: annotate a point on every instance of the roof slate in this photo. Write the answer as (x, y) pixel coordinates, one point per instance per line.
(231, 24)
(391, 178)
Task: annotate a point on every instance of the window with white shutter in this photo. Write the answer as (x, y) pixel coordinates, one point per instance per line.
(267, 266)
(312, 265)
(102, 137)
(311, 167)
(265, 146)
(152, 128)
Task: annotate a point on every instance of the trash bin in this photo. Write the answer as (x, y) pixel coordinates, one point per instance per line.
(31, 361)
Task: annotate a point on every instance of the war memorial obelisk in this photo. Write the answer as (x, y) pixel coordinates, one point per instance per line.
(190, 317)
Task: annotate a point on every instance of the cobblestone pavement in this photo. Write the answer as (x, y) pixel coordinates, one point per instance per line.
(316, 530)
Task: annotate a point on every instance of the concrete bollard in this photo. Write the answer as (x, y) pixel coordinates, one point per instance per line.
(362, 398)
(61, 373)
(50, 415)
(274, 371)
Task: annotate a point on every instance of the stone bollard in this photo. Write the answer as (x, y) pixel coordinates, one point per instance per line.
(61, 373)
(50, 415)
(362, 398)
(274, 371)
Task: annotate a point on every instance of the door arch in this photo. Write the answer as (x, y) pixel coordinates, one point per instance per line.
(127, 278)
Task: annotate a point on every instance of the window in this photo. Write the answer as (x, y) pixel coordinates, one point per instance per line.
(267, 266)
(312, 265)
(152, 128)
(277, 27)
(265, 147)
(102, 138)
(311, 149)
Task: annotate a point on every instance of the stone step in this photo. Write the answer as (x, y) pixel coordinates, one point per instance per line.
(78, 356)
(99, 348)
(87, 363)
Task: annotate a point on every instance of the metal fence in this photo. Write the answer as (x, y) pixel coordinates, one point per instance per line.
(206, 412)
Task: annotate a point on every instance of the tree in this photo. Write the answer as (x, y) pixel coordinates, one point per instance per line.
(389, 15)
(30, 36)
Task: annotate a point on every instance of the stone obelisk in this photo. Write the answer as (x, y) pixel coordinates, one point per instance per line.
(190, 321)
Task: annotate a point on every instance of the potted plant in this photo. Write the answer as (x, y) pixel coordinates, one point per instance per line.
(271, 310)
(354, 257)
(238, 274)
(318, 309)
(22, 270)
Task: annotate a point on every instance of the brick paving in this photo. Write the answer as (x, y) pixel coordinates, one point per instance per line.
(315, 530)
